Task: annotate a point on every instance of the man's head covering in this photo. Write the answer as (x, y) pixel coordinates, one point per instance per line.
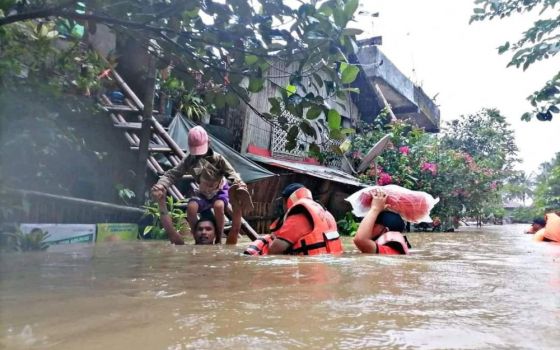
(392, 221)
(539, 221)
(198, 141)
(291, 188)
(293, 192)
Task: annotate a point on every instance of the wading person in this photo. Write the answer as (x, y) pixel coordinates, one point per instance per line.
(551, 230)
(217, 181)
(380, 230)
(203, 231)
(305, 228)
(538, 223)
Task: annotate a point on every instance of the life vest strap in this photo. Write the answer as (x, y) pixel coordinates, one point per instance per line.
(306, 248)
(329, 236)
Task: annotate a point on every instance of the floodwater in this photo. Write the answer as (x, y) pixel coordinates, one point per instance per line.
(488, 289)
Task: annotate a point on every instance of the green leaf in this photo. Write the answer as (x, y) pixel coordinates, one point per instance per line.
(255, 84)
(318, 79)
(147, 230)
(251, 59)
(351, 7)
(314, 112)
(220, 101)
(290, 145)
(336, 134)
(352, 31)
(275, 106)
(293, 132)
(554, 109)
(290, 90)
(232, 100)
(343, 66)
(307, 128)
(314, 150)
(191, 14)
(340, 18)
(326, 9)
(349, 74)
(503, 48)
(334, 119)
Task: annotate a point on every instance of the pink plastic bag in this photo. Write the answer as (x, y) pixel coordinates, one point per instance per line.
(413, 206)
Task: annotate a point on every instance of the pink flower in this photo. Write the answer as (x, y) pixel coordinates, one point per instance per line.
(384, 179)
(404, 150)
(356, 154)
(431, 167)
(493, 185)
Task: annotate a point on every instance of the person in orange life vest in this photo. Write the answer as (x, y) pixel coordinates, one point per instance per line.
(380, 230)
(260, 245)
(306, 228)
(551, 231)
(537, 224)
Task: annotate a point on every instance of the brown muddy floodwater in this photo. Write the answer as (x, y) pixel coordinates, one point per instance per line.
(488, 289)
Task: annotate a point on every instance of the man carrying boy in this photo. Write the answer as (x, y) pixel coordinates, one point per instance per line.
(216, 180)
(204, 231)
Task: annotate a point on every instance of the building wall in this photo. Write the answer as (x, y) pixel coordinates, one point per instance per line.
(264, 134)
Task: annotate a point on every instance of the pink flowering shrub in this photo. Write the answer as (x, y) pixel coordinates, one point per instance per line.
(429, 167)
(384, 179)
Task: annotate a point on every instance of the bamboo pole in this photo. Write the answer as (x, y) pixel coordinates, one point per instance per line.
(81, 201)
(128, 90)
(380, 96)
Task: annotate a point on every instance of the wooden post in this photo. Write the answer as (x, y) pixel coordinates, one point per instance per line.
(380, 96)
(145, 132)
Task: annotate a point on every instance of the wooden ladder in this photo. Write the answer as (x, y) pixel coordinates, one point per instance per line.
(161, 142)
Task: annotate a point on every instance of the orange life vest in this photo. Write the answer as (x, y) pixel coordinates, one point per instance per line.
(552, 228)
(324, 238)
(395, 240)
(259, 246)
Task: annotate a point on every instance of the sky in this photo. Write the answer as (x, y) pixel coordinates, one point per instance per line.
(432, 43)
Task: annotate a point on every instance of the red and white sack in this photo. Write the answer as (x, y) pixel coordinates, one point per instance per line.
(413, 206)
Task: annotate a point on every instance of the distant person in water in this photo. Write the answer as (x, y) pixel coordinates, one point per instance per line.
(204, 230)
(538, 223)
(380, 230)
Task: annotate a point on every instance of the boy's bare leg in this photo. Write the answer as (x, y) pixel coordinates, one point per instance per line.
(192, 214)
(219, 214)
(235, 225)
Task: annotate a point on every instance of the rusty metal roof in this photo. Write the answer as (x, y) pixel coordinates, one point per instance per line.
(319, 171)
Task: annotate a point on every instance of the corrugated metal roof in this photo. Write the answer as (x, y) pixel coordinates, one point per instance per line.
(309, 169)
